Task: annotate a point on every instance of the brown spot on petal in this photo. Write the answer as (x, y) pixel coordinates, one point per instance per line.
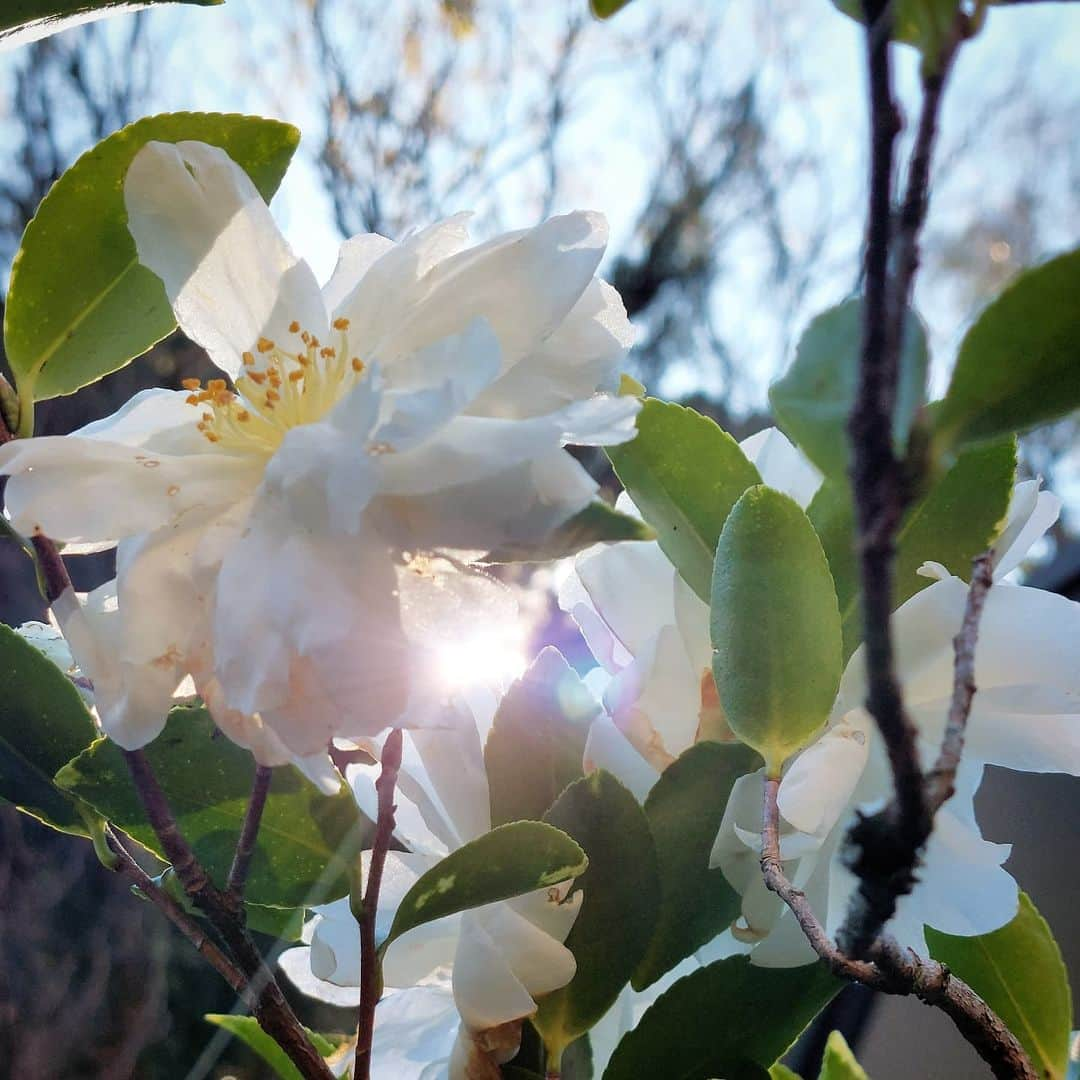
(172, 489)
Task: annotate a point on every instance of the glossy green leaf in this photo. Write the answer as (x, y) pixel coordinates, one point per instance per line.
(80, 304)
(537, 741)
(725, 1017)
(621, 895)
(604, 9)
(813, 401)
(1018, 971)
(43, 724)
(782, 1072)
(684, 473)
(307, 840)
(247, 1030)
(508, 861)
(597, 523)
(839, 1062)
(1017, 365)
(23, 21)
(684, 810)
(958, 518)
(775, 626)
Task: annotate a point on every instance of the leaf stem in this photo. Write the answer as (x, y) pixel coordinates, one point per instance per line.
(370, 964)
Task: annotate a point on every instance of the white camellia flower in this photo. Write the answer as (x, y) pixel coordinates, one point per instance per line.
(458, 987)
(293, 540)
(653, 642)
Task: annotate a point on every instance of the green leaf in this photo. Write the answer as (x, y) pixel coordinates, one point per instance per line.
(537, 741)
(839, 1062)
(43, 724)
(925, 24)
(597, 523)
(307, 840)
(508, 861)
(813, 401)
(247, 1030)
(782, 1072)
(960, 517)
(23, 21)
(684, 809)
(724, 1017)
(1018, 972)
(775, 626)
(621, 893)
(1017, 366)
(604, 9)
(684, 473)
(80, 304)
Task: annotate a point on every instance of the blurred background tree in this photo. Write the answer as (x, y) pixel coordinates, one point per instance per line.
(724, 142)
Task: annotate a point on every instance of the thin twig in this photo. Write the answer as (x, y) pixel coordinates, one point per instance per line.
(249, 833)
(886, 847)
(891, 970)
(370, 976)
(941, 779)
(271, 1009)
(127, 866)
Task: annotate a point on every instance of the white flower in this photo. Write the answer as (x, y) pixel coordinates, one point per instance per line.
(461, 985)
(654, 642)
(285, 542)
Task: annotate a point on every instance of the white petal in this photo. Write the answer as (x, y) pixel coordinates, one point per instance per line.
(308, 633)
(634, 614)
(296, 963)
(433, 385)
(781, 465)
(355, 258)
(524, 285)
(384, 297)
(414, 1037)
(538, 960)
(322, 472)
(85, 489)
(1031, 513)
(583, 355)
(608, 748)
(486, 991)
(817, 787)
(656, 699)
(962, 888)
(132, 699)
(157, 419)
(202, 227)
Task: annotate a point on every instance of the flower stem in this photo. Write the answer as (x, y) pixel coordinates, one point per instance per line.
(245, 846)
(370, 963)
(269, 1007)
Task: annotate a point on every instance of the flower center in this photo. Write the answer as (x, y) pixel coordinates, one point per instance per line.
(281, 387)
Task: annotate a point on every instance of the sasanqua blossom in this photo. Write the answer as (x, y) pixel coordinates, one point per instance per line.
(653, 644)
(460, 986)
(292, 533)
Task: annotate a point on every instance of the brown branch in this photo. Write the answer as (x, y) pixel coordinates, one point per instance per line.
(245, 846)
(270, 1008)
(941, 779)
(884, 855)
(890, 970)
(370, 975)
(206, 948)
